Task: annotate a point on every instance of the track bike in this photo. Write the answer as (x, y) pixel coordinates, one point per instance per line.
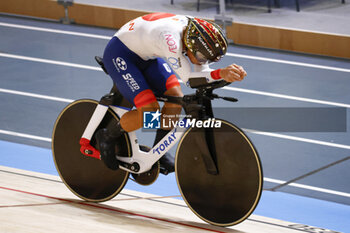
(218, 170)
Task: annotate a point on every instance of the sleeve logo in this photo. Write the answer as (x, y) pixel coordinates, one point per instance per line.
(171, 43)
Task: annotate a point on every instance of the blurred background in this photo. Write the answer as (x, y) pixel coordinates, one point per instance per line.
(296, 53)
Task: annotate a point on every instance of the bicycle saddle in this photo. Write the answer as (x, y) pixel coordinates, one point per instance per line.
(99, 60)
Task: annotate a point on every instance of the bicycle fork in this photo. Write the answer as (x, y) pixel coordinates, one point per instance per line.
(205, 139)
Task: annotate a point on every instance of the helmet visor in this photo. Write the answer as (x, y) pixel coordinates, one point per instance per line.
(201, 58)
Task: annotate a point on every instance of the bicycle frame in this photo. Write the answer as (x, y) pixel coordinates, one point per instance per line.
(140, 161)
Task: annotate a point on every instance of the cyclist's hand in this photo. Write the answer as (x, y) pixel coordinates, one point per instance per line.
(233, 73)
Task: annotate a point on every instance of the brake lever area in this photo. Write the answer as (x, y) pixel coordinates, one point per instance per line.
(219, 84)
(201, 83)
(231, 99)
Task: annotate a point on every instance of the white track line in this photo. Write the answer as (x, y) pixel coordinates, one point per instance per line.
(289, 62)
(287, 97)
(300, 139)
(302, 99)
(46, 97)
(303, 186)
(55, 31)
(265, 179)
(54, 62)
(23, 135)
(228, 54)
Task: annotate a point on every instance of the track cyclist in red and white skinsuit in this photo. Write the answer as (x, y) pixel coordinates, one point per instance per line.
(143, 59)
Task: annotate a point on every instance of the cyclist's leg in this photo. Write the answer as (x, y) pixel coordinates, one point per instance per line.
(163, 81)
(170, 109)
(133, 119)
(123, 67)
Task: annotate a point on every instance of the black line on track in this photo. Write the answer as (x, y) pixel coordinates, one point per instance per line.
(31, 176)
(308, 174)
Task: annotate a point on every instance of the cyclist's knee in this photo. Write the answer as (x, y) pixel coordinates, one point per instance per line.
(151, 107)
(133, 120)
(174, 91)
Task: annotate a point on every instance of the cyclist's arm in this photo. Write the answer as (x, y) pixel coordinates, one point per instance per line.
(205, 71)
(230, 73)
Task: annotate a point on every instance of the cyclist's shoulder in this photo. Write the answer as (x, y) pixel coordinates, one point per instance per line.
(162, 17)
(162, 21)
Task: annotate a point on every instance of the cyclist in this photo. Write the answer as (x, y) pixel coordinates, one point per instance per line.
(142, 59)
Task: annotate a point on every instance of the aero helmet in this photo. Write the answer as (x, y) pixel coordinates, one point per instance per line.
(205, 40)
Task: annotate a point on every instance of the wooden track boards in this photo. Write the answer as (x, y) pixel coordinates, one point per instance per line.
(35, 202)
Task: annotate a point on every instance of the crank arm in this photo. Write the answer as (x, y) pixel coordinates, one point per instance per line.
(129, 160)
(129, 164)
(133, 165)
(133, 168)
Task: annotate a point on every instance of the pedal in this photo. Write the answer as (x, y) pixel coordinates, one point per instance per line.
(88, 152)
(164, 171)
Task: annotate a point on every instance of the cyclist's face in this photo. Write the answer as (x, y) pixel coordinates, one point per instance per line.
(192, 57)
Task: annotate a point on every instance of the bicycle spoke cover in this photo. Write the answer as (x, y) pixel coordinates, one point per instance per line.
(86, 177)
(226, 198)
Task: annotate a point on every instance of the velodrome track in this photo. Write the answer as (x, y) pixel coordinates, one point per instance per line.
(46, 65)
